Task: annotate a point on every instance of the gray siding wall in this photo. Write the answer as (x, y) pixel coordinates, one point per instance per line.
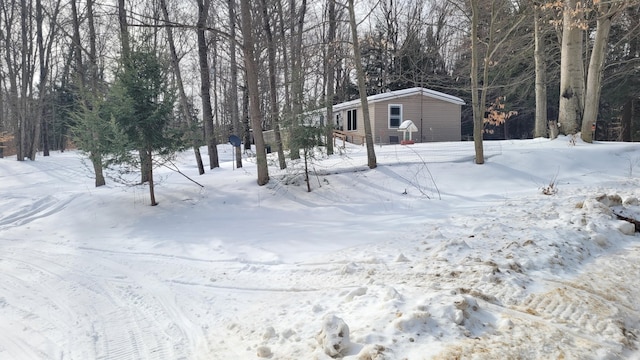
(441, 120)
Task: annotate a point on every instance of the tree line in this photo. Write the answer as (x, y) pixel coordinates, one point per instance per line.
(134, 82)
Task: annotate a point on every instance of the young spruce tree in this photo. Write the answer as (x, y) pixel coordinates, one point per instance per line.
(308, 138)
(98, 136)
(141, 102)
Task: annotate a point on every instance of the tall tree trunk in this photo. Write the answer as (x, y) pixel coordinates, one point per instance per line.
(594, 79)
(77, 47)
(93, 58)
(596, 68)
(287, 111)
(371, 155)
(627, 120)
(330, 74)
(182, 96)
(254, 96)
(245, 115)
(45, 56)
(42, 85)
(152, 194)
(2, 114)
(233, 96)
(95, 155)
(273, 92)
(297, 73)
(124, 30)
(205, 83)
(22, 117)
(541, 127)
(12, 74)
(571, 70)
(478, 107)
(126, 53)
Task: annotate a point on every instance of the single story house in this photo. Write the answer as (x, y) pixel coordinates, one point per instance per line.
(436, 115)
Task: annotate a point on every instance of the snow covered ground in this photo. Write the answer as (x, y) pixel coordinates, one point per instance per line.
(429, 256)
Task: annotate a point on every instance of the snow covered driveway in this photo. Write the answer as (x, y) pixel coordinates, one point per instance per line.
(419, 259)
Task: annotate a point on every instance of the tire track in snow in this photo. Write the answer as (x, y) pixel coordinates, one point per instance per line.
(137, 324)
(86, 315)
(21, 214)
(595, 310)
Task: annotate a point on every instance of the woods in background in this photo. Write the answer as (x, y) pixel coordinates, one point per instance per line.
(243, 67)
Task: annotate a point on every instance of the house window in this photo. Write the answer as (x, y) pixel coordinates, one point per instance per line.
(395, 116)
(352, 120)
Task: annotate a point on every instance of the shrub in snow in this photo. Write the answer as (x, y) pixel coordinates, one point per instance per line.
(334, 336)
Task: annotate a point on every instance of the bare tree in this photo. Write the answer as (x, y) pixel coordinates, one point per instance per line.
(477, 101)
(541, 127)
(605, 12)
(492, 43)
(571, 68)
(205, 83)
(89, 97)
(287, 109)
(330, 72)
(124, 29)
(371, 155)
(10, 14)
(254, 96)
(273, 91)
(26, 81)
(182, 96)
(233, 69)
(146, 168)
(297, 73)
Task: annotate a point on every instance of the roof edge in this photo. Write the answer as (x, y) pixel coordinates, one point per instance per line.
(402, 93)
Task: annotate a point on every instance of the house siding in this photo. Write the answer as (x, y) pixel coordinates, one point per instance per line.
(357, 136)
(436, 119)
(440, 119)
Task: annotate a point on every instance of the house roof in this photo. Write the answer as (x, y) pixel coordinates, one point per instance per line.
(399, 94)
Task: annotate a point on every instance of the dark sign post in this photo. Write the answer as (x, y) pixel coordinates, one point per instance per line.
(235, 142)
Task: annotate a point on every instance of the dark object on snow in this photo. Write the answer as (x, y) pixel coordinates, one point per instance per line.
(628, 219)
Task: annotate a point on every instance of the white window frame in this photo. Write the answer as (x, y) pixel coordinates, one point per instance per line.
(389, 115)
(353, 124)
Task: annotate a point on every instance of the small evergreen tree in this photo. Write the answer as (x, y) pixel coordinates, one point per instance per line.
(307, 138)
(99, 137)
(141, 102)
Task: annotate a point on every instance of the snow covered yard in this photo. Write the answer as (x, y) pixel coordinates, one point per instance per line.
(426, 257)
